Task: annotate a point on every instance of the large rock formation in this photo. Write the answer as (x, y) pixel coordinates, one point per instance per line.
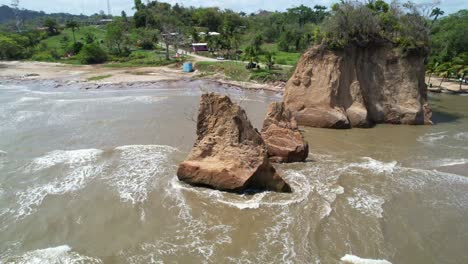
(229, 154)
(358, 87)
(281, 135)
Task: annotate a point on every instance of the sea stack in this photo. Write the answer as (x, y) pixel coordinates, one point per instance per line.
(284, 141)
(358, 87)
(229, 154)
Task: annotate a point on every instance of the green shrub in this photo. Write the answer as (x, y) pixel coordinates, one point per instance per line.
(74, 48)
(92, 54)
(43, 56)
(10, 49)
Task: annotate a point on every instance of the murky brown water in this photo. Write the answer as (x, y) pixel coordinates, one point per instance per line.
(89, 177)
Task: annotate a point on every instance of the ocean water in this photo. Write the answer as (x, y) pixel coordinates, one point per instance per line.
(89, 176)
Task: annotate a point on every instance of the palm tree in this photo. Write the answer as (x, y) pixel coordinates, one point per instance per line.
(443, 70)
(430, 70)
(436, 12)
(73, 26)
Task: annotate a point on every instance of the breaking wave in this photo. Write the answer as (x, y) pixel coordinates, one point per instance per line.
(352, 259)
(54, 255)
(73, 158)
(139, 169)
(450, 162)
(375, 165)
(79, 171)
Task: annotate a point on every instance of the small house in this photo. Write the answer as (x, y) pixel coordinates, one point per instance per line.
(197, 47)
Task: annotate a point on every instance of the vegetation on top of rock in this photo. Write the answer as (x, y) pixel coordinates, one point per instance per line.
(365, 24)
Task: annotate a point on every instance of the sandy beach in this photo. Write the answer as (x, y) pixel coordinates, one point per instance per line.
(85, 73)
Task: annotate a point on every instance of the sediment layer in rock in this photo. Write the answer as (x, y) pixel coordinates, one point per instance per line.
(358, 87)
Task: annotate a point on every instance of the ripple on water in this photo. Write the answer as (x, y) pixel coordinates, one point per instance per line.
(3, 158)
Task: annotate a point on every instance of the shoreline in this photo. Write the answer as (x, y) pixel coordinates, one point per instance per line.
(97, 76)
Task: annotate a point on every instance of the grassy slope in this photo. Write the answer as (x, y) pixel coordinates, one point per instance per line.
(55, 41)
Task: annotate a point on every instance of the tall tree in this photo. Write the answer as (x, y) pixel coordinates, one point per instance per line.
(73, 25)
(52, 26)
(436, 12)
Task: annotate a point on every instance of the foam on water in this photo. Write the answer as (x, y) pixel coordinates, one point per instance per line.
(297, 181)
(367, 204)
(431, 138)
(463, 136)
(449, 162)
(375, 165)
(118, 99)
(196, 236)
(22, 116)
(79, 171)
(352, 259)
(27, 99)
(73, 158)
(139, 169)
(54, 255)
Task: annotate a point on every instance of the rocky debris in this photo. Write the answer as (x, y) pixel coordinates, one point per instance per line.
(229, 154)
(284, 141)
(358, 87)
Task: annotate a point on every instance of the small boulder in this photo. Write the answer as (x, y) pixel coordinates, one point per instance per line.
(284, 141)
(229, 154)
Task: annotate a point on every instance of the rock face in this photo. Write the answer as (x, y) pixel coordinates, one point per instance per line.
(281, 135)
(358, 87)
(229, 154)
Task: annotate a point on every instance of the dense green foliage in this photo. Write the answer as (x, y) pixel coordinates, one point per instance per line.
(357, 23)
(449, 46)
(157, 31)
(92, 53)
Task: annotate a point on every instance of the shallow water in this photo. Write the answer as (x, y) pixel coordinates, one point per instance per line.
(88, 176)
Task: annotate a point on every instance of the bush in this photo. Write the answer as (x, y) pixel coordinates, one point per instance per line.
(10, 49)
(92, 54)
(74, 48)
(43, 56)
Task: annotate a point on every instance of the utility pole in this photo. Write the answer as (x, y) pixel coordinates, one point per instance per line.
(15, 6)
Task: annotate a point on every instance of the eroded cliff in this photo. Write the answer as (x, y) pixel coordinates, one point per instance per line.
(358, 87)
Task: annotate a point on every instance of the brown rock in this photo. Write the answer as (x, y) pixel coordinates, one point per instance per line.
(358, 87)
(281, 135)
(229, 154)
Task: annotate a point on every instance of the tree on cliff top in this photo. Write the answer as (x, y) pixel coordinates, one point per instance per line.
(365, 24)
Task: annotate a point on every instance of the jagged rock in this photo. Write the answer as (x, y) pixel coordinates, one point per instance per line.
(358, 87)
(229, 154)
(281, 135)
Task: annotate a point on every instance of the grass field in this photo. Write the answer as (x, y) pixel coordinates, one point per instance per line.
(281, 57)
(236, 71)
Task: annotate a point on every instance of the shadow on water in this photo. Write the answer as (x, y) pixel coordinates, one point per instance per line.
(440, 117)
